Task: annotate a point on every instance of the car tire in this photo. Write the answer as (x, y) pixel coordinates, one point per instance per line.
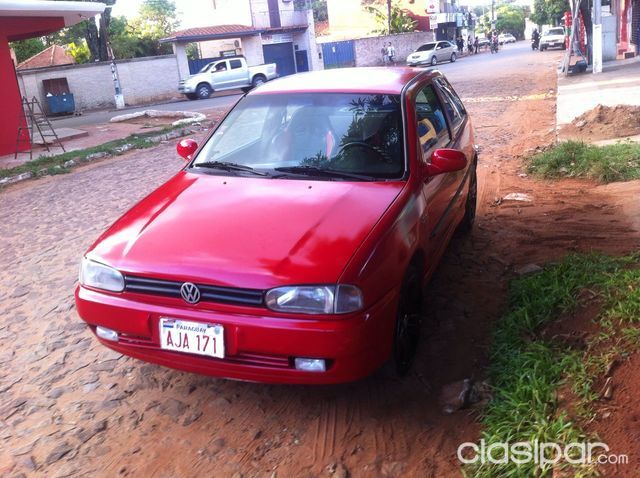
(434, 61)
(258, 80)
(470, 204)
(453, 58)
(203, 91)
(406, 333)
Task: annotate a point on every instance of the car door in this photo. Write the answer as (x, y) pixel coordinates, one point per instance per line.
(461, 139)
(433, 133)
(220, 77)
(238, 76)
(440, 51)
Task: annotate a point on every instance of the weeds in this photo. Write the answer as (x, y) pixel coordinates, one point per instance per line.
(527, 370)
(616, 162)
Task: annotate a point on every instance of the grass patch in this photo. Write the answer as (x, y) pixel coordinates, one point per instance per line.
(526, 370)
(616, 162)
(49, 165)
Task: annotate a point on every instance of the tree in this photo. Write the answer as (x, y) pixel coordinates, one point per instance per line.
(510, 19)
(400, 21)
(546, 12)
(25, 49)
(79, 51)
(155, 21)
(319, 7)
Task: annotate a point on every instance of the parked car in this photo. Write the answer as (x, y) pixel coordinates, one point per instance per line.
(226, 74)
(483, 42)
(432, 53)
(295, 244)
(506, 38)
(552, 38)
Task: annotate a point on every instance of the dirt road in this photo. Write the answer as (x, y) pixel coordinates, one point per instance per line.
(70, 407)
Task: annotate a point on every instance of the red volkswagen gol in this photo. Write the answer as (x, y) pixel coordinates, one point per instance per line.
(295, 244)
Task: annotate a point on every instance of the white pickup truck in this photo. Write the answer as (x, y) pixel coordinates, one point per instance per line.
(226, 74)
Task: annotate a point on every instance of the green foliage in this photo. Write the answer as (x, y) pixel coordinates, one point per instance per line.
(25, 49)
(510, 19)
(79, 51)
(193, 53)
(155, 20)
(319, 7)
(616, 162)
(138, 37)
(401, 22)
(549, 12)
(527, 369)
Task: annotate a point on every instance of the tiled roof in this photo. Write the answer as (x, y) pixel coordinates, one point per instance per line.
(218, 31)
(53, 56)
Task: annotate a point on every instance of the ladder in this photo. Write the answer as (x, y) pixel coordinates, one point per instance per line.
(33, 121)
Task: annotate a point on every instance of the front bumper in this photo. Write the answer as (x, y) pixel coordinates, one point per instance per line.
(552, 44)
(186, 89)
(258, 347)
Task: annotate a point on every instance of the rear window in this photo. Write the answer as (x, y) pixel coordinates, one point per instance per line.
(427, 47)
(556, 31)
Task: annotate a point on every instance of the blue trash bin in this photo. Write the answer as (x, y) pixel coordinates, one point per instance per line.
(61, 103)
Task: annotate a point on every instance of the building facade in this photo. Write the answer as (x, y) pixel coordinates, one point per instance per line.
(264, 31)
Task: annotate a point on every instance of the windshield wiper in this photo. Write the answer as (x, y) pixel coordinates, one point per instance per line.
(322, 172)
(226, 166)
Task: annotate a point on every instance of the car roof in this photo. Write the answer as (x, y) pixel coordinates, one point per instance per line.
(389, 80)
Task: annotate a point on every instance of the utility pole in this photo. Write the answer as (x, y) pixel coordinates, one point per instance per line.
(597, 36)
(493, 15)
(389, 16)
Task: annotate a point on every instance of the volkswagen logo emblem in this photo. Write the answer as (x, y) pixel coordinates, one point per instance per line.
(190, 293)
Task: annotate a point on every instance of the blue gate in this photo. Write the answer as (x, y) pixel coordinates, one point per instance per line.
(196, 65)
(338, 54)
(282, 55)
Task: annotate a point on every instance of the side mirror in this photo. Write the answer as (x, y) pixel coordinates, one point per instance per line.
(445, 160)
(186, 148)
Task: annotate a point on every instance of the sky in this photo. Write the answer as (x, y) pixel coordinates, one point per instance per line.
(189, 11)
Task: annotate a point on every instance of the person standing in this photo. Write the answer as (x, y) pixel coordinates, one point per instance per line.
(391, 54)
(475, 44)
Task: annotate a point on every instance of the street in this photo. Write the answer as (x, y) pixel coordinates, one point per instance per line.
(71, 407)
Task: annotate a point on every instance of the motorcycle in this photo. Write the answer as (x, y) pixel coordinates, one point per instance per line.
(535, 43)
(494, 46)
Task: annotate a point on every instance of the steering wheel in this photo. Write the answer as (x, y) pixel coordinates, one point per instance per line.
(351, 144)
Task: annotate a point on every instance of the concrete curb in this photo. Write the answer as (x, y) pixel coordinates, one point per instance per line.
(158, 139)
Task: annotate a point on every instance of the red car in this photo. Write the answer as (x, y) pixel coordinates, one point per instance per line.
(295, 244)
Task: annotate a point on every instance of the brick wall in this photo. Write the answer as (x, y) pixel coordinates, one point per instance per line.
(143, 80)
(368, 50)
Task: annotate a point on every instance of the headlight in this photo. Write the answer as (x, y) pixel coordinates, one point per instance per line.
(94, 274)
(318, 299)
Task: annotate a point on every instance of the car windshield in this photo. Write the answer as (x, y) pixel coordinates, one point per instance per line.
(310, 134)
(427, 47)
(205, 68)
(556, 31)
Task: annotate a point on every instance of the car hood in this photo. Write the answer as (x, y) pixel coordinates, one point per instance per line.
(245, 232)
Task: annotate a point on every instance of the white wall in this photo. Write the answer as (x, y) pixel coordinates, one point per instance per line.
(143, 81)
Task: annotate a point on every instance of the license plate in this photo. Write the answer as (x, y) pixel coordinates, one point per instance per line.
(192, 337)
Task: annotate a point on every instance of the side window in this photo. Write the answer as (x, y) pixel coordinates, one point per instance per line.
(235, 64)
(452, 104)
(430, 122)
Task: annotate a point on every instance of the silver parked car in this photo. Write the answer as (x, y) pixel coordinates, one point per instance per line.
(432, 53)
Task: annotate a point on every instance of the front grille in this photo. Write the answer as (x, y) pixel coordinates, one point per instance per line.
(241, 358)
(208, 293)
